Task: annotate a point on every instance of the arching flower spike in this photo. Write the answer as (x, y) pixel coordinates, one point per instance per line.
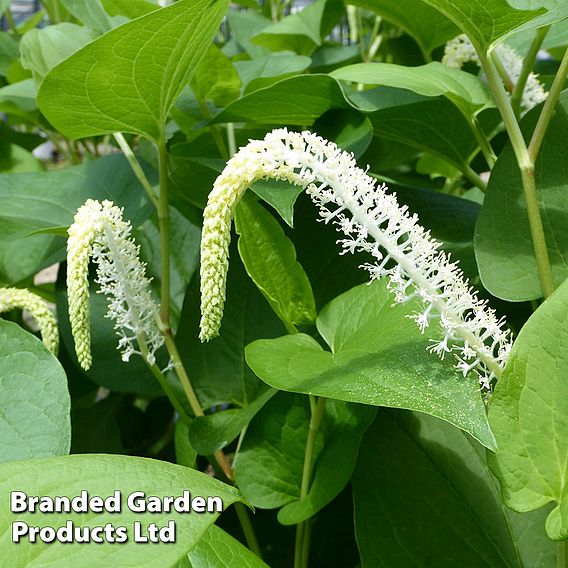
(37, 307)
(373, 222)
(100, 233)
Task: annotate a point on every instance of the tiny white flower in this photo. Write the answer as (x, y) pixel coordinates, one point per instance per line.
(373, 222)
(100, 233)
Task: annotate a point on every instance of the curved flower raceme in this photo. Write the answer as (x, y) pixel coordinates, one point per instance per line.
(37, 307)
(373, 222)
(99, 232)
(460, 51)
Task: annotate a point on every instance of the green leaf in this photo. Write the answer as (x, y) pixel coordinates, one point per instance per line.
(297, 100)
(129, 78)
(102, 475)
(557, 11)
(301, 31)
(4, 4)
(503, 242)
(279, 194)
(216, 78)
(270, 462)
(265, 71)
(528, 414)
(270, 260)
(407, 460)
(245, 25)
(484, 21)
(434, 79)
(378, 357)
(34, 400)
(9, 50)
(129, 8)
(213, 432)
(42, 49)
(92, 14)
(428, 27)
(218, 549)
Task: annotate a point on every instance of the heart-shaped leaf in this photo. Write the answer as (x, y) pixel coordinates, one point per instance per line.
(378, 357)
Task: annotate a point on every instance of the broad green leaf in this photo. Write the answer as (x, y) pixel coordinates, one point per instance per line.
(434, 79)
(215, 431)
(129, 8)
(264, 71)
(21, 95)
(269, 258)
(484, 21)
(219, 372)
(528, 413)
(216, 78)
(301, 31)
(428, 27)
(557, 11)
(218, 549)
(102, 475)
(378, 356)
(34, 400)
(92, 14)
(32, 202)
(129, 78)
(245, 25)
(3, 5)
(297, 100)
(269, 466)
(280, 195)
(407, 460)
(42, 49)
(503, 243)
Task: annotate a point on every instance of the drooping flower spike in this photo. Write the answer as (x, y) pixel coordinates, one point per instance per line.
(373, 222)
(37, 307)
(460, 51)
(100, 233)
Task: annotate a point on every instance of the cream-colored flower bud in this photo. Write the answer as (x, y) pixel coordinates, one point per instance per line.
(37, 307)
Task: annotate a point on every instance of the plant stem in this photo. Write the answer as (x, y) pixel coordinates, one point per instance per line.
(248, 529)
(548, 109)
(164, 223)
(474, 178)
(10, 20)
(528, 65)
(562, 558)
(303, 532)
(483, 142)
(136, 167)
(526, 166)
(231, 139)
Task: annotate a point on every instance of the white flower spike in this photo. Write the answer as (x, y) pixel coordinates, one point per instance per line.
(37, 307)
(460, 51)
(99, 232)
(373, 222)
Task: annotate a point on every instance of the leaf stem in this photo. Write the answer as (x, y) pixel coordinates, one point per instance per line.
(528, 65)
(474, 177)
(164, 224)
(548, 109)
(483, 142)
(526, 166)
(248, 529)
(136, 167)
(303, 531)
